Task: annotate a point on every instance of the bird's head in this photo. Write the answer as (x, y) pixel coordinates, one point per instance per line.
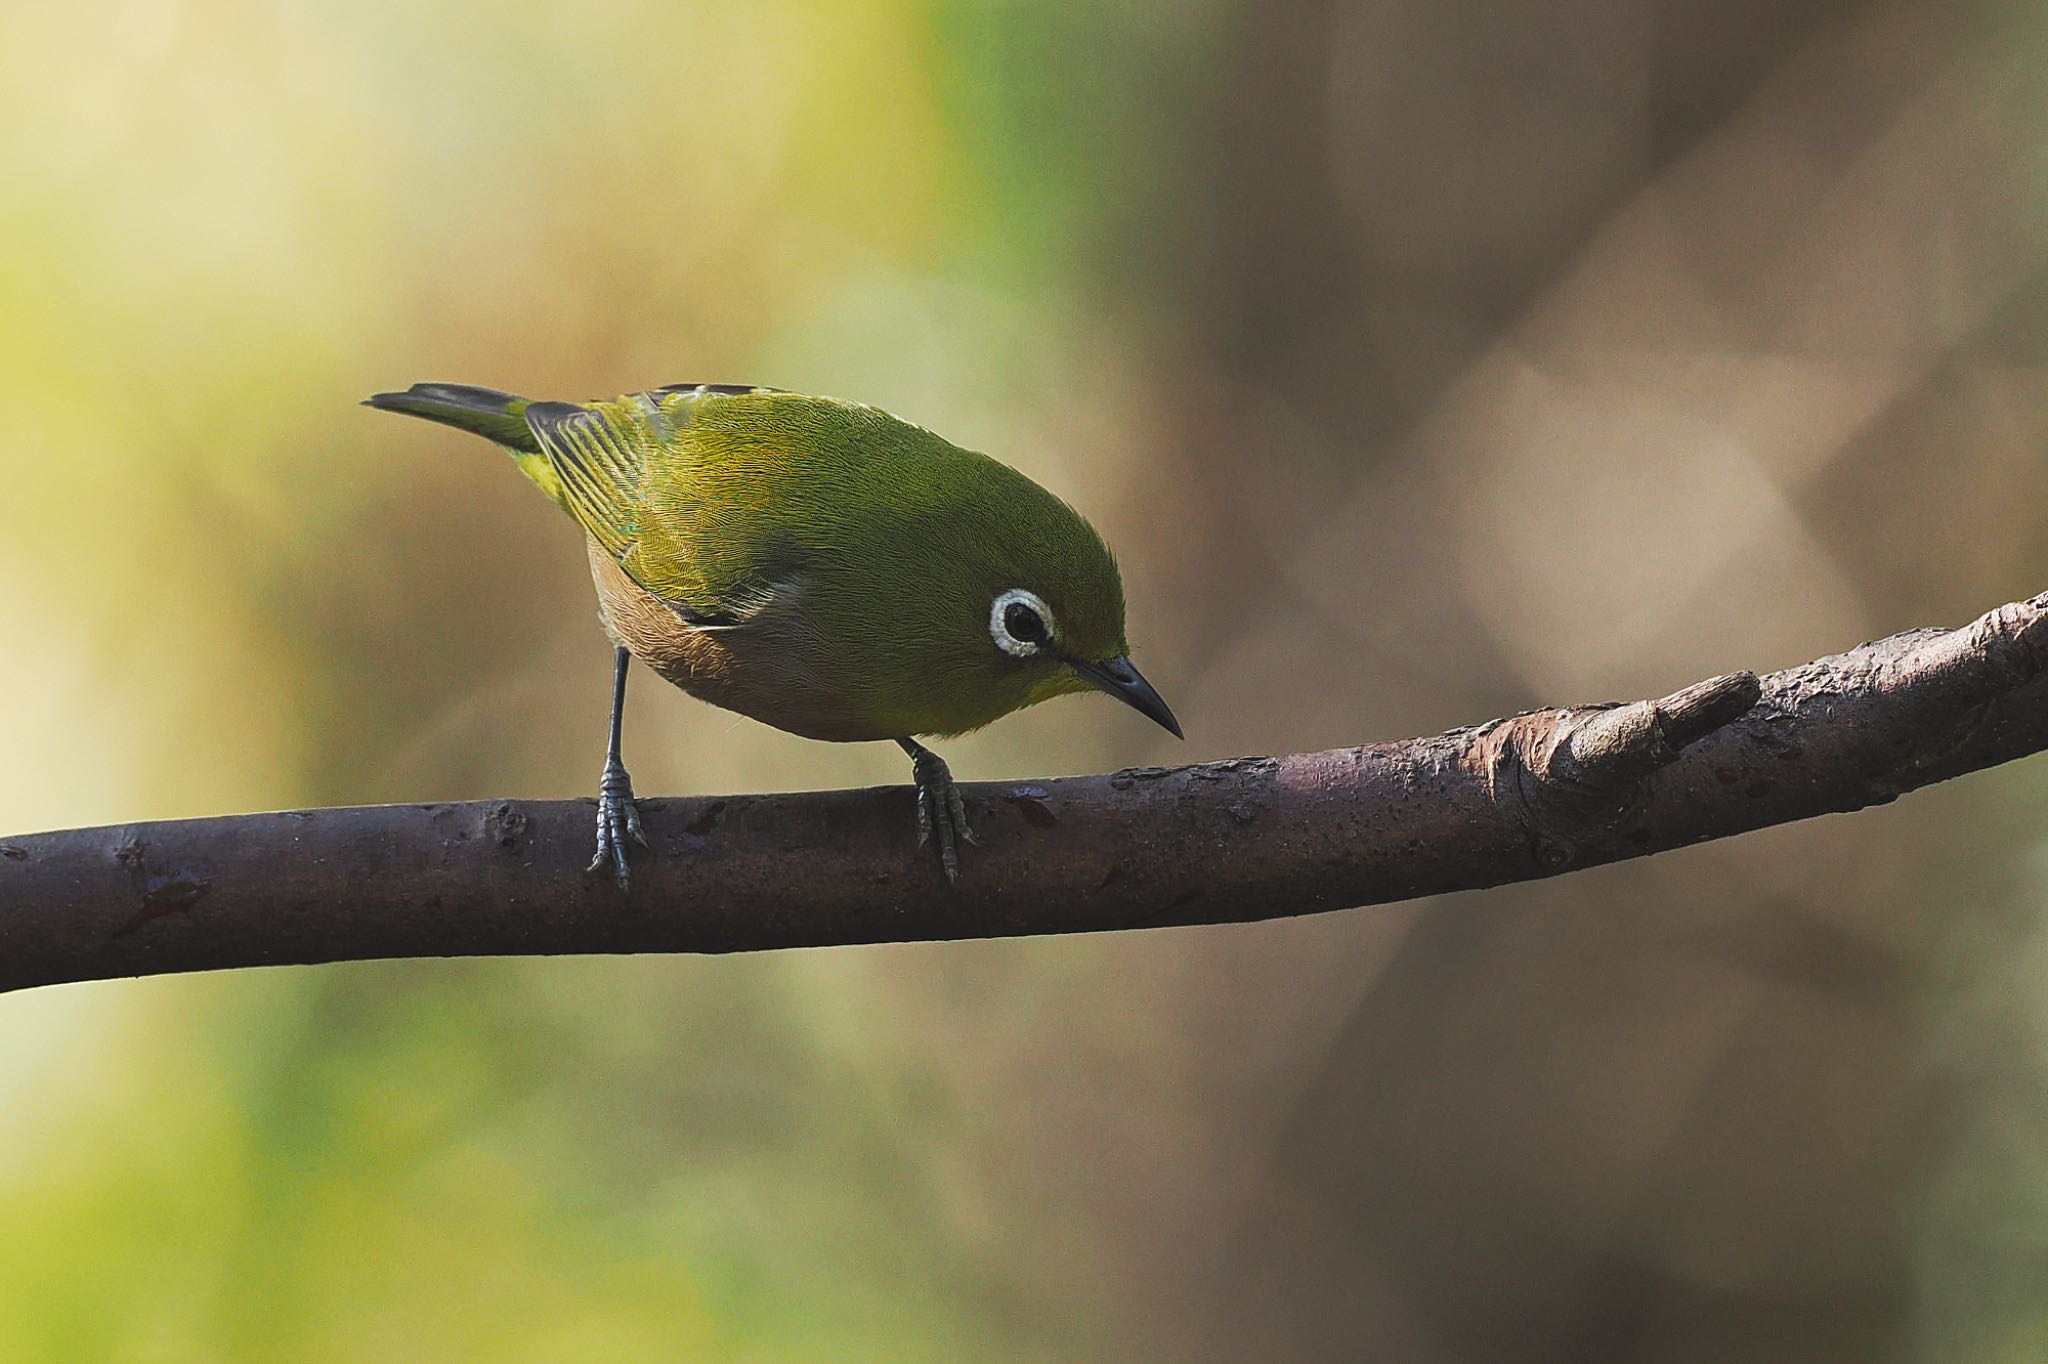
(1018, 600)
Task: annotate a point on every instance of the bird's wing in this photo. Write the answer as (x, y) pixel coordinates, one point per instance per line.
(600, 456)
(607, 455)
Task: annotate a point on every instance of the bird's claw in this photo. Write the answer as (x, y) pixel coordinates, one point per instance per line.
(618, 820)
(941, 813)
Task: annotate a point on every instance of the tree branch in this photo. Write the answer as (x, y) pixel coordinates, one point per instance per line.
(1251, 838)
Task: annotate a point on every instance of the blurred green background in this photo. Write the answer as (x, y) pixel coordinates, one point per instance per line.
(1425, 359)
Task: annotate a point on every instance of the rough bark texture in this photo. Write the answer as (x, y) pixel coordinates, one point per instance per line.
(1250, 838)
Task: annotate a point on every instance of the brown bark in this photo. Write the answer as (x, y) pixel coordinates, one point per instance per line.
(1249, 838)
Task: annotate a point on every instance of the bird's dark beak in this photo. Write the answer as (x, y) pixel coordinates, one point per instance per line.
(1117, 677)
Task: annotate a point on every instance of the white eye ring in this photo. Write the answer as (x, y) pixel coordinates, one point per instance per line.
(998, 627)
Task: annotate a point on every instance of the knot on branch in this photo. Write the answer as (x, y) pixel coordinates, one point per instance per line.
(2000, 650)
(1579, 772)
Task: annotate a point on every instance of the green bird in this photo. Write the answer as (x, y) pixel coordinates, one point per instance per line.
(818, 565)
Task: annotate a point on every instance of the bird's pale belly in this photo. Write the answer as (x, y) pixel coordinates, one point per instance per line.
(751, 672)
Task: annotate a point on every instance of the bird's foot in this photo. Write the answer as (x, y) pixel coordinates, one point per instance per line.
(617, 821)
(941, 814)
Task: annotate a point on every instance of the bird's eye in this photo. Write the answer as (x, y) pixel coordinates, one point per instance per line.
(1020, 623)
(1023, 623)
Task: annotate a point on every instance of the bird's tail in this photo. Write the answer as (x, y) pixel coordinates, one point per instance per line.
(495, 416)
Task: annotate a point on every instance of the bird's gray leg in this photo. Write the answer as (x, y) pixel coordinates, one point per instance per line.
(617, 819)
(941, 814)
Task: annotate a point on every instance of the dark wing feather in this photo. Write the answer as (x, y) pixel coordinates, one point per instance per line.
(600, 465)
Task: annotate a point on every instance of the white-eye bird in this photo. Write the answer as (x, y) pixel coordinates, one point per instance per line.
(820, 566)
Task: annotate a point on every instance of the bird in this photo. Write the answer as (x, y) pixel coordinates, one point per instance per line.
(820, 566)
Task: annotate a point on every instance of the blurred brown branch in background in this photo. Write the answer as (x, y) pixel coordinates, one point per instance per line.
(1247, 839)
